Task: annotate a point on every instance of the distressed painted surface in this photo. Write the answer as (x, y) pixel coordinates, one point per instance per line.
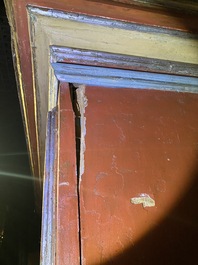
(18, 19)
(119, 78)
(137, 221)
(67, 251)
(137, 142)
(120, 61)
(48, 231)
(58, 28)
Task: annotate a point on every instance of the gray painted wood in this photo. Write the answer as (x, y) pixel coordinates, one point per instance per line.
(87, 57)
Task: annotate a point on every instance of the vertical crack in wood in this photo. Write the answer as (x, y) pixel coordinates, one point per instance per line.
(79, 103)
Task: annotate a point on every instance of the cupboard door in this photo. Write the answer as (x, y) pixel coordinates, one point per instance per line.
(60, 224)
(139, 164)
(126, 192)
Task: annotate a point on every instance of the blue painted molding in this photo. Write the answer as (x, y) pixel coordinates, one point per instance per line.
(121, 61)
(118, 78)
(49, 198)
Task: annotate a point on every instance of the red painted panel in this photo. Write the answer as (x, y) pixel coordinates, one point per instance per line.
(165, 18)
(67, 200)
(138, 142)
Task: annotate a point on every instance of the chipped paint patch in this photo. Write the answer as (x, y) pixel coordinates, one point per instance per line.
(143, 199)
(82, 103)
(64, 184)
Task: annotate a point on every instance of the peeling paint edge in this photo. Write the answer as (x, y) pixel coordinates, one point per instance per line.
(143, 199)
(82, 104)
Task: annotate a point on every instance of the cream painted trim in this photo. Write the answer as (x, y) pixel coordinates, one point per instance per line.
(65, 30)
(49, 27)
(53, 89)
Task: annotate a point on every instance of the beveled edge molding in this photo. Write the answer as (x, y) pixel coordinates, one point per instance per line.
(49, 87)
(121, 61)
(119, 78)
(106, 22)
(81, 66)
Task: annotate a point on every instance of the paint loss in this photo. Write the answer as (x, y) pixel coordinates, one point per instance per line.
(143, 199)
(79, 102)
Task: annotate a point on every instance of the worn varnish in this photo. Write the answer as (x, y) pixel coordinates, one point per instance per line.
(137, 142)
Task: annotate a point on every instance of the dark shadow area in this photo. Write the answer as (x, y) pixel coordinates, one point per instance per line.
(183, 11)
(19, 222)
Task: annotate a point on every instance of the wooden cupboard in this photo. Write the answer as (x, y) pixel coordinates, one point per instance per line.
(109, 98)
